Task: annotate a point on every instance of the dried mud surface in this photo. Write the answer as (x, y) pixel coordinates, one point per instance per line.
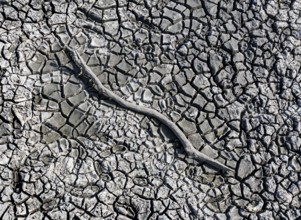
(227, 73)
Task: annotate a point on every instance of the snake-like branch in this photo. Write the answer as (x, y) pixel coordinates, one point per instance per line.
(188, 147)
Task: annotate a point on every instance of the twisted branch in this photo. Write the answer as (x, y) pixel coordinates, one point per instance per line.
(188, 147)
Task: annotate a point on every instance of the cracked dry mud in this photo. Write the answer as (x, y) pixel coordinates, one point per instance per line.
(225, 73)
(190, 150)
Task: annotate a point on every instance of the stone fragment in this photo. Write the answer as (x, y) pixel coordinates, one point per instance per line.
(232, 45)
(245, 167)
(180, 100)
(97, 42)
(147, 96)
(67, 130)
(156, 90)
(205, 126)
(196, 140)
(65, 108)
(295, 163)
(187, 126)
(175, 116)
(215, 62)
(79, 98)
(180, 79)
(189, 90)
(23, 111)
(209, 151)
(57, 120)
(266, 215)
(210, 107)
(211, 137)
(75, 117)
(7, 92)
(283, 196)
(200, 66)
(22, 94)
(183, 50)
(199, 101)
(111, 27)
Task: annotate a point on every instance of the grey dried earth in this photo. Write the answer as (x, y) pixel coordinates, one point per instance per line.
(227, 73)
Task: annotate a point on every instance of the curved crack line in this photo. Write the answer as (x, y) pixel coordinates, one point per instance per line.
(188, 147)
